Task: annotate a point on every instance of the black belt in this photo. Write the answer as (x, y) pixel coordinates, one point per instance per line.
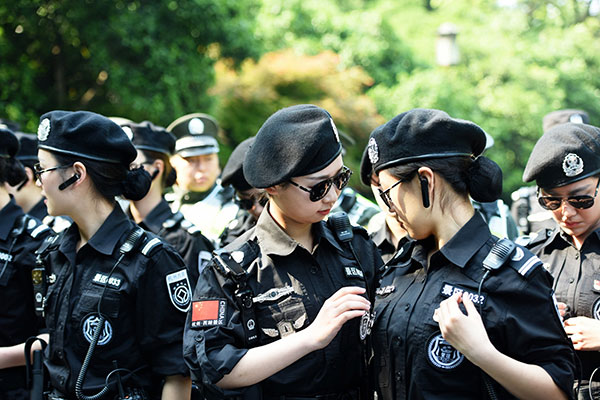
(350, 395)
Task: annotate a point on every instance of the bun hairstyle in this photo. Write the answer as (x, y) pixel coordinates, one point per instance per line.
(484, 180)
(136, 184)
(11, 170)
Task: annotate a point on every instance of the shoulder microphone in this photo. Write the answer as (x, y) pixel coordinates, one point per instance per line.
(68, 182)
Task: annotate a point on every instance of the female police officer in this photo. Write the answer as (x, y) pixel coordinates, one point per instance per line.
(20, 236)
(276, 314)
(117, 295)
(463, 307)
(565, 163)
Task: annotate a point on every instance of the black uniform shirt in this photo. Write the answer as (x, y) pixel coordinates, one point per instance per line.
(576, 279)
(382, 238)
(289, 285)
(193, 247)
(413, 361)
(144, 303)
(39, 210)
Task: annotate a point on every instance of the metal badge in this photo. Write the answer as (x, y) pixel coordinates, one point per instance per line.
(366, 323)
(373, 151)
(43, 130)
(572, 165)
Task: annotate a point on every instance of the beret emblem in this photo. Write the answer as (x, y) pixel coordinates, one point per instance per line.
(43, 130)
(335, 131)
(196, 126)
(373, 151)
(572, 165)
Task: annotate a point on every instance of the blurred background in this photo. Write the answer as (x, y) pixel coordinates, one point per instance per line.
(502, 64)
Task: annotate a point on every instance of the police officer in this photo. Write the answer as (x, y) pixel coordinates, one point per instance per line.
(250, 201)
(199, 194)
(118, 295)
(565, 164)
(277, 313)
(528, 214)
(467, 315)
(154, 145)
(20, 236)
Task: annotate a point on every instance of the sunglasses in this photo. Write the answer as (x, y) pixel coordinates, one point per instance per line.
(38, 171)
(385, 194)
(581, 202)
(320, 190)
(247, 204)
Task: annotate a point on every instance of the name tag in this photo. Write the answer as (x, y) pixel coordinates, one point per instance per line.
(385, 290)
(353, 272)
(449, 289)
(101, 279)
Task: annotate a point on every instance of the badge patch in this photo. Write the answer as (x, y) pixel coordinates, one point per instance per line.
(366, 323)
(353, 272)
(441, 354)
(448, 290)
(206, 313)
(273, 294)
(179, 290)
(596, 309)
(385, 290)
(373, 151)
(196, 126)
(43, 130)
(89, 327)
(572, 165)
(101, 279)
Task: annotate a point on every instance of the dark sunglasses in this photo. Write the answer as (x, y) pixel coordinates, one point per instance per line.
(320, 190)
(247, 204)
(385, 194)
(580, 202)
(38, 171)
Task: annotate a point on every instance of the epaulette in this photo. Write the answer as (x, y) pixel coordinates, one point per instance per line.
(34, 228)
(190, 227)
(524, 262)
(150, 245)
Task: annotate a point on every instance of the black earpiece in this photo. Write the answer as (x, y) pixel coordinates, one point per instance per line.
(68, 182)
(425, 191)
(154, 174)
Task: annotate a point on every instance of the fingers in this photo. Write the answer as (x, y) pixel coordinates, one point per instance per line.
(347, 290)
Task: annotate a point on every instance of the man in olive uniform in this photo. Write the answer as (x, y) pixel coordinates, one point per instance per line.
(528, 214)
(199, 194)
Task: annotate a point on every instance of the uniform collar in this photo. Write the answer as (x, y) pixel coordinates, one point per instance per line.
(39, 210)
(107, 237)
(8, 216)
(159, 214)
(271, 236)
(195, 197)
(467, 241)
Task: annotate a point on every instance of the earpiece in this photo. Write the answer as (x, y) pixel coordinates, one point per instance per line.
(68, 182)
(424, 191)
(154, 174)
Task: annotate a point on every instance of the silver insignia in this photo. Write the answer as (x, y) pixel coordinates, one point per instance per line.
(196, 126)
(572, 165)
(373, 151)
(335, 131)
(43, 130)
(273, 294)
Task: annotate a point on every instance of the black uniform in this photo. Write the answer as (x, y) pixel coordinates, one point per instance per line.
(243, 222)
(289, 286)
(577, 279)
(193, 247)
(145, 301)
(413, 361)
(18, 320)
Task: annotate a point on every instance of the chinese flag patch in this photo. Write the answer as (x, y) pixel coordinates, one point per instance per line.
(207, 313)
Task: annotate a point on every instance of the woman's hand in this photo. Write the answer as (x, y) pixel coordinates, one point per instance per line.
(466, 333)
(584, 333)
(344, 305)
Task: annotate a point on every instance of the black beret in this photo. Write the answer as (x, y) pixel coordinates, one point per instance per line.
(295, 141)
(27, 147)
(565, 154)
(85, 134)
(421, 134)
(233, 172)
(9, 144)
(196, 135)
(147, 136)
(563, 116)
(8, 124)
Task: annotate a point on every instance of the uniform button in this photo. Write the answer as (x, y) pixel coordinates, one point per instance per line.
(62, 380)
(399, 376)
(398, 340)
(61, 326)
(59, 353)
(577, 256)
(571, 280)
(314, 270)
(407, 307)
(423, 280)
(199, 339)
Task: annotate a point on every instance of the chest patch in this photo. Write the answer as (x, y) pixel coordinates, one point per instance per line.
(353, 272)
(449, 289)
(273, 294)
(102, 279)
(385, 290)
(89, 326)
(207, 313)
(179, 290)
(441, 354)
(596, 309)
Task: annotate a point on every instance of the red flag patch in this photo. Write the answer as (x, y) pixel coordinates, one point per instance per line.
(596, 284)
(206, 313)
